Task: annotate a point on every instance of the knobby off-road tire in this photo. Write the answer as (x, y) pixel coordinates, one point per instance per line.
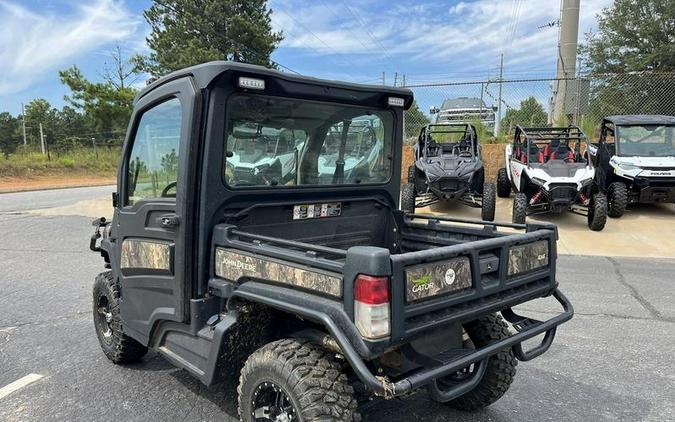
(310, 378)
(487, 212)
(501, 368)
(408, 198)
(519, 208)
(503, 184)
(116, 345)
(617, 199)
(411, 174)
(597, 212)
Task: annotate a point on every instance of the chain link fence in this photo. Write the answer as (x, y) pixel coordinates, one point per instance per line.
(497, 107)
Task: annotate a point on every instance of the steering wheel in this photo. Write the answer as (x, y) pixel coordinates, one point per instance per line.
(167, 188)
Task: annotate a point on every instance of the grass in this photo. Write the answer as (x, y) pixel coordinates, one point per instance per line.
(81, 161)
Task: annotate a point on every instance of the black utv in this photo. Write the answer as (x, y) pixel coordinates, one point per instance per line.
(311, 292)
(635, 160)
(448, 167)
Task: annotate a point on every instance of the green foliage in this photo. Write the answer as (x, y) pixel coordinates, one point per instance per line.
(530, 113)
(633, 36)
(107, 106)
(79, 160)
(415, 120)
(188, 32)
(9, 139)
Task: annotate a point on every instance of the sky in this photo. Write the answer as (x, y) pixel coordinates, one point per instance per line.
(428, 41)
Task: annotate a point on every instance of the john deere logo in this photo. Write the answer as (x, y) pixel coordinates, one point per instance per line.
(422, 283)
(450, 276)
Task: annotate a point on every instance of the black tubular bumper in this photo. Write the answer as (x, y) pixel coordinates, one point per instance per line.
(527, 328)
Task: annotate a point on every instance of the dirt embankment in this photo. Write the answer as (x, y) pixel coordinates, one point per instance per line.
(55, 181)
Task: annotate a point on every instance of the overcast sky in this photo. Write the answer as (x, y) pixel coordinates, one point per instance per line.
(429, 41)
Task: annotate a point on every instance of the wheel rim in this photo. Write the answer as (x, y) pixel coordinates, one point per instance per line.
(271, 403)
(104, 318)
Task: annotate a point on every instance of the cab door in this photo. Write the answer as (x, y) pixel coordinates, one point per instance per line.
(150, 229)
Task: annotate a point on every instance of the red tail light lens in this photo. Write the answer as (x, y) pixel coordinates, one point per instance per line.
(371, 290)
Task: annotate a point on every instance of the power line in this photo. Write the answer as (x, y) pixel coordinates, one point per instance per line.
(358, 17)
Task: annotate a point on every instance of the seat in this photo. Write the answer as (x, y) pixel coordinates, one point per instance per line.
(563, 152)
(550, 148)
(535, 154)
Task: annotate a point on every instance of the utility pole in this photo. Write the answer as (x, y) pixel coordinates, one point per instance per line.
(395, 78)
(23, 120)
(42, 139)
(403, 77)
(499, 101)
(383, 78)
(567, 57)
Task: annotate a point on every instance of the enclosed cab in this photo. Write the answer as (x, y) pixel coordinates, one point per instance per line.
(635, 157)
(301, 288)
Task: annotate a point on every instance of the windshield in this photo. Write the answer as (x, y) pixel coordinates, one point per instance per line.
(286, 142)
(646, 140)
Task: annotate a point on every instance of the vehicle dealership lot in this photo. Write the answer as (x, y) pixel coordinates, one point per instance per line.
(613, 361)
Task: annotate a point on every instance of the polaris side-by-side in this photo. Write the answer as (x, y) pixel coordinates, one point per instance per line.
(448, 166)
(313, 293)
(635, 160)
(546, 168)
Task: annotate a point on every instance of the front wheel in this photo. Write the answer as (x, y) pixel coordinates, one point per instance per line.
(294, 380)
(597, 212)
(617, 199)
(503, 184)
(408, 198)
(519, 208)
(116, 345)
(487, 212)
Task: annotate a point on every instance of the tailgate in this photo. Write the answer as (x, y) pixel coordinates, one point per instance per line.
(460, 272)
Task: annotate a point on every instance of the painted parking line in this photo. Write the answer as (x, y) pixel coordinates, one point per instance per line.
(18, 384)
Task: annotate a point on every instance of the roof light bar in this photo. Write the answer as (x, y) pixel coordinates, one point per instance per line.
(251, 83)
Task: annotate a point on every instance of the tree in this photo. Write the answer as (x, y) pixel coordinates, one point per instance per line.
(119, 72)
(188, 32)
(633, 36)
(530, 113)
(109, 107)
(415, 120)
(9, 140)
(39, 111)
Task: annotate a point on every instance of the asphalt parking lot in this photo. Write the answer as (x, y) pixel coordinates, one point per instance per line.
(613, 361)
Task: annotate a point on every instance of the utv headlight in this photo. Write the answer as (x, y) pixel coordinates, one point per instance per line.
(538, 181)
(627, 166)
(528, 257)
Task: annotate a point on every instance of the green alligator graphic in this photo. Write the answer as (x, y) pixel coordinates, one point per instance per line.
(425, 279)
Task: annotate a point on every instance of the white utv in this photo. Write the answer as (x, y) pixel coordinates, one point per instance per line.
(635, 160)
(548, 172)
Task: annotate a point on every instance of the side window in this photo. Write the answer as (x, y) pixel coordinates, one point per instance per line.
(153, 163)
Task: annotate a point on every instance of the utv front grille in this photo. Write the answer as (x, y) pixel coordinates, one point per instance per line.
(566, 192)
(451, 184)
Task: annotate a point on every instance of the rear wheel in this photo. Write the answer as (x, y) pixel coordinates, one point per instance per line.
(597, 212)
(487, 212)
(519, 208)
(290, 380)
(408, 198)
(503, 184)
(617, 198)
(501, 367)
(117, 346)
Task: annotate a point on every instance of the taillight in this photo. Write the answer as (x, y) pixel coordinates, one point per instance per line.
(371, 306)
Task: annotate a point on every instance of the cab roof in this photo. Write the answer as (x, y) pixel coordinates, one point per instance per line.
(641, 119)
(204, 74)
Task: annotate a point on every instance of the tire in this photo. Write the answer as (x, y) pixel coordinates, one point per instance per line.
(313, 383)
(408, 198)
(503, 184)
(519, 208)
(117, 346)
(487, 212)
(411, 174)
(597, 212)
(617, 199)
(501, 367)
